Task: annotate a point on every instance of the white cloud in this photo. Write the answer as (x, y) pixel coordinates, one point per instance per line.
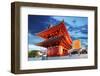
(34, 47)
(77, 34)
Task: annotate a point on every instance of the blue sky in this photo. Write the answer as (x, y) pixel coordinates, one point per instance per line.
(77, 27)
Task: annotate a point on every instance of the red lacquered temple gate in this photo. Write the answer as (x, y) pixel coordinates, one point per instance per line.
(56, 39)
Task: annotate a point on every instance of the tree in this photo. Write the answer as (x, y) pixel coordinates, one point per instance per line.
(33, 53)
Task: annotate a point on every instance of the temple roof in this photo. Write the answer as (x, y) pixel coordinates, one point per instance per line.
(55, 41)
(55, 36)
(54, 30)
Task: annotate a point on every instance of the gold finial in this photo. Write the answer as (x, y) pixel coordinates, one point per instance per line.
(63, 20)
(50, 25)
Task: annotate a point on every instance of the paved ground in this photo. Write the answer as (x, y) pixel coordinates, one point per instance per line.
(76, 56)
(69, 57)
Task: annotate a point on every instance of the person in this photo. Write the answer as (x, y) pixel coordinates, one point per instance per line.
(44, 56)
(70, 51)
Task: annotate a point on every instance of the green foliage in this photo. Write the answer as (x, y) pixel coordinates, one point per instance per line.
(33, 53)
